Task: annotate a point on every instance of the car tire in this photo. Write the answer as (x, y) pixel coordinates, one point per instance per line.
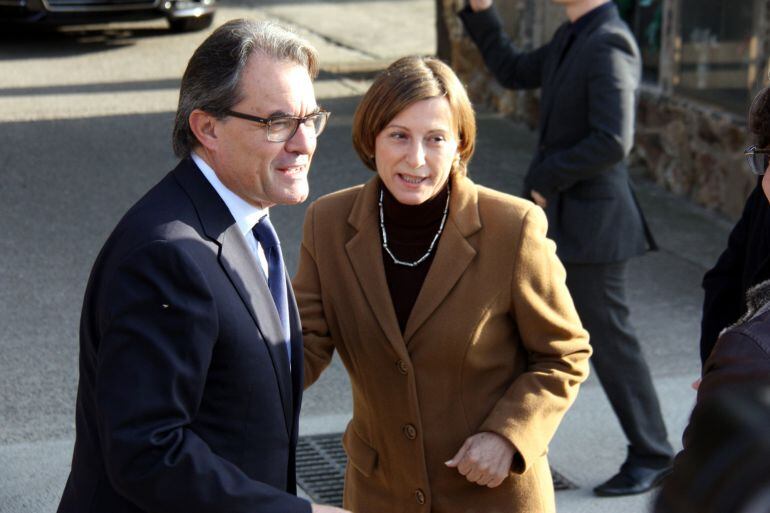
(191, 24)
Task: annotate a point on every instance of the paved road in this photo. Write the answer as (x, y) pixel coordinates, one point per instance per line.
(85, 119)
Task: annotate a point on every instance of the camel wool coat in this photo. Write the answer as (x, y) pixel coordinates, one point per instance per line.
(493, 343)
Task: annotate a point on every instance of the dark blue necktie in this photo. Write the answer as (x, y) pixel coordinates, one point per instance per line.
(276, 281)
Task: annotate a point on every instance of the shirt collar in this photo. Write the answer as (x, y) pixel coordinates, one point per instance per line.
(582, 22)
(245, 214)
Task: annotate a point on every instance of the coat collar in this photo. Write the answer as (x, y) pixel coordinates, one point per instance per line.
(238, 263)
(453, 255)
(757, 302)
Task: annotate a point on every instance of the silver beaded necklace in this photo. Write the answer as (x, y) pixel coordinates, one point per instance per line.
(432, 243)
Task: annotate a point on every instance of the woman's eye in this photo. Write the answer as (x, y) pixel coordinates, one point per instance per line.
(398, 135)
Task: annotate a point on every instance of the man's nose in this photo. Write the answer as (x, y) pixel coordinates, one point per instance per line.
(303, 141)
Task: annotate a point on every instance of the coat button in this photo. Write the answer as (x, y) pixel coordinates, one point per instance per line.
(402, 368)
(409, 431)
(420, 496)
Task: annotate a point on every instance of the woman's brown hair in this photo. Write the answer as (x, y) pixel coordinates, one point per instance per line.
(407, 81)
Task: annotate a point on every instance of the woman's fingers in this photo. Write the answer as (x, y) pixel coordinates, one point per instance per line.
(484, 459)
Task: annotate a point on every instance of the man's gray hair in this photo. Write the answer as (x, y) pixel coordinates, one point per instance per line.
(212, 79)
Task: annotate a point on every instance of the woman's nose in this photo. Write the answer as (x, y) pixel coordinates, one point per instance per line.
(416, 155)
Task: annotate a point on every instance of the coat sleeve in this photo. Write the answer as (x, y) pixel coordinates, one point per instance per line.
(738, 358)
(511, 67)
(159, 325)
(614, 71)
(318, 342)
(723, 300)
(557, 345)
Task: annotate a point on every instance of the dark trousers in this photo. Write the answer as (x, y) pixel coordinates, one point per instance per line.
(598, 291)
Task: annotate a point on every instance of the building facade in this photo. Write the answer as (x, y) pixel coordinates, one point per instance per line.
(703, 61)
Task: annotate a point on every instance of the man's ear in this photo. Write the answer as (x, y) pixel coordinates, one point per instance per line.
(204, 126)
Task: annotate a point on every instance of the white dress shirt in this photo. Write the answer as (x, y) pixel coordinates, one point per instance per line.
(245, 214)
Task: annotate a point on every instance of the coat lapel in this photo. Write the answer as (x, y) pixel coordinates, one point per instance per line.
(297, 371)
(365, 253)
(239, 264)
(453, 254)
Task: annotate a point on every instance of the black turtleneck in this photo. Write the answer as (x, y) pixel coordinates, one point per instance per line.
(410, 230)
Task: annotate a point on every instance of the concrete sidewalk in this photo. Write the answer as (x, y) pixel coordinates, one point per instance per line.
(354, 37)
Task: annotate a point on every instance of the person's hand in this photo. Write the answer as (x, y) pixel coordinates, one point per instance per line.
(485, 459)
(480, 5)
(320, 508)
(538, 198)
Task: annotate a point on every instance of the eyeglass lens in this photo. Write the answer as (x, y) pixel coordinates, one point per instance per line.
(281, 130)
(758, 162)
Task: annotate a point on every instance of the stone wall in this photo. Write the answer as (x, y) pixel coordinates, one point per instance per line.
(693, 150)
(686, 147)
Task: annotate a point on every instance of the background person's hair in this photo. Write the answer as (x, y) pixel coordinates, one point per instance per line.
(212, 79)
(404, 82)
(759, 117)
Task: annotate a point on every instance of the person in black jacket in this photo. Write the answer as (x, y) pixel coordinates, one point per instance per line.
(746, 260)
(724, 466)
(589, 78)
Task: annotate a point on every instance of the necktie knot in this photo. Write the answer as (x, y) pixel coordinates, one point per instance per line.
(265, 234)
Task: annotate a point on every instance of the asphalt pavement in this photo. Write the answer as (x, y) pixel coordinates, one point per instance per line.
(85, 119)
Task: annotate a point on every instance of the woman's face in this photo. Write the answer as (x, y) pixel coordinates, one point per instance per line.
(766, 183)
(414, 152)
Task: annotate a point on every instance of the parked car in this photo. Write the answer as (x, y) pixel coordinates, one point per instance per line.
(182, 15)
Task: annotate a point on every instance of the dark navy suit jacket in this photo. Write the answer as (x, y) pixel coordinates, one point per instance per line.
(585, 131)
(186, 402)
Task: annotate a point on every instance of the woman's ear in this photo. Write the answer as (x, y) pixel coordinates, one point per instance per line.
(204, 126)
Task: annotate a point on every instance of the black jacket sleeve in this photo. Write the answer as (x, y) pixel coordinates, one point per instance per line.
(511, 67)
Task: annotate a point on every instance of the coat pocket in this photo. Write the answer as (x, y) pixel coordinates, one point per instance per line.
(360, 454)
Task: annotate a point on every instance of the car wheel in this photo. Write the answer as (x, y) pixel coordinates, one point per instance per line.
(191, 24)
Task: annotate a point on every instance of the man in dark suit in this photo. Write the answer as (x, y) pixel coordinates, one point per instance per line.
(589, 77)
(190, 343)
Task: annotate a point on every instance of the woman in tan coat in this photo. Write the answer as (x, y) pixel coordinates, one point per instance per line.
(448, 307)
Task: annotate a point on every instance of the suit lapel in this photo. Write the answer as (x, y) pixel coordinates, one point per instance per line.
(453, 254)
(557, 76)
(558, 42)
(297, 369)
(365, 254)
(239, 264)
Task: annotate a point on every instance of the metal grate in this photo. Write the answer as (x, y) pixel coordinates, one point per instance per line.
(321, 464)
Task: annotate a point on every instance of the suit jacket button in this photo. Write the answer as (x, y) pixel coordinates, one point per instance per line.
(402, 368)
(409, 431)
(420, 496)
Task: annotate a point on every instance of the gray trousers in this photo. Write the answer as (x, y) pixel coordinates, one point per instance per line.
(598, 291)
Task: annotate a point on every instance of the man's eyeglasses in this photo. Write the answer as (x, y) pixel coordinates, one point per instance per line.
(758, 159)
(281, 129)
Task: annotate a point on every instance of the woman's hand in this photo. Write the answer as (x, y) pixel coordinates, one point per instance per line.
(485, 459)
(479, 5)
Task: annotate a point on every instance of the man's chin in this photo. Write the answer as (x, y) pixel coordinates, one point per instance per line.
(295, 197)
